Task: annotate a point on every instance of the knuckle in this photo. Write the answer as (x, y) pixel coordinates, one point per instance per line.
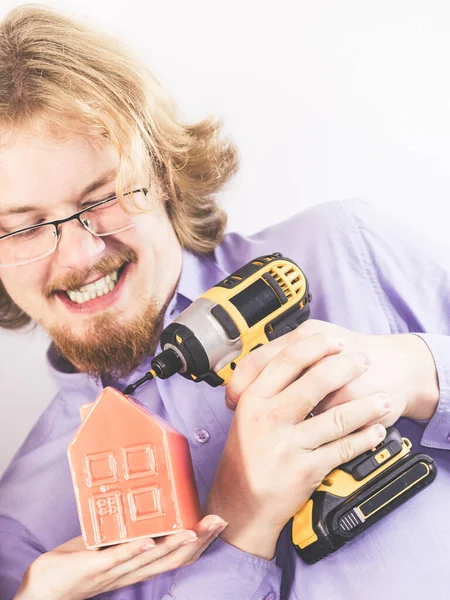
(272, 416)
(346, 450)
(340, 420)
(289, 355)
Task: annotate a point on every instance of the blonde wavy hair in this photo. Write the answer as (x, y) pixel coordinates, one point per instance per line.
(70, 78)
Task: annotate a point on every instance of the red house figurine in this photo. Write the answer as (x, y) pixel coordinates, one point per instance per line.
(132, 473)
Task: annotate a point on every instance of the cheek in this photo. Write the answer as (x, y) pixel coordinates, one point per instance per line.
(25, 285)
(152, 233)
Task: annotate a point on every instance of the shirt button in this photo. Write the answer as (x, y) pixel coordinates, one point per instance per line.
(270, 596)
(201, 436)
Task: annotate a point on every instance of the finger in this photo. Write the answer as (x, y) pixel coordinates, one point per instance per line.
(272, 367)
(291, 361)
(165, 545)
(215, 528)
(299, 399)
(328, 457)
(152, 553)
(183, 555)
(109, 558)
(339, 397)
(208, 541)
(188, 555)
(249, 368)
(343, 419)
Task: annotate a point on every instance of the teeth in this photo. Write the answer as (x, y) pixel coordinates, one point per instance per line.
(94, 290)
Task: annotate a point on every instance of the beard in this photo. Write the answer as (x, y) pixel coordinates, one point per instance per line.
(109, 346)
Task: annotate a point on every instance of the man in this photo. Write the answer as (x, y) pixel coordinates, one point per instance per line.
(82, 123)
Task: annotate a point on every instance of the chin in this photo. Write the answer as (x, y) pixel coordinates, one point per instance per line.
(106, 343)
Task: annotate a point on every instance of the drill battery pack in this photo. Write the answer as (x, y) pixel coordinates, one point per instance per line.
(359, 493)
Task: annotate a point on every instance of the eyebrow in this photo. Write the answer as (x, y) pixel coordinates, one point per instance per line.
(105, 178)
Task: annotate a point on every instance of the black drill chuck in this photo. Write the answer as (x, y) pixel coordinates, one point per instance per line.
(167, 364)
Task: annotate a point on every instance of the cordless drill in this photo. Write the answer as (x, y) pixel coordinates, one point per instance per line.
(260, 302)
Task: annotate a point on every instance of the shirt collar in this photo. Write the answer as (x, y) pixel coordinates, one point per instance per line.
(198, 274)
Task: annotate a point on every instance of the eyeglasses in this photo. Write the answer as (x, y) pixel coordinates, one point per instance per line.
(30, 244)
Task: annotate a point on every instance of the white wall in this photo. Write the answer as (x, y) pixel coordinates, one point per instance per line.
(325, 99)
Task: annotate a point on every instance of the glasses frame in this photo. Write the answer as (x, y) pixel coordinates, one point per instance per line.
(57, 222)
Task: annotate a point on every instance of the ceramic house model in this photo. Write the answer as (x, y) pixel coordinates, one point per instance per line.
(132, 473)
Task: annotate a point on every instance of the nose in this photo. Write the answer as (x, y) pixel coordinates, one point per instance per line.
(77, 248)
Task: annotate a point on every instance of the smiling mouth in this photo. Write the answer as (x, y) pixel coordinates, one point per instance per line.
(98, 288)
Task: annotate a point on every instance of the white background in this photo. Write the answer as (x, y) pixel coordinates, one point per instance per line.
(325, 100)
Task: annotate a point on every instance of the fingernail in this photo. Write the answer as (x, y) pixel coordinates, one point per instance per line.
(220, 529)
(365, 358)
(337, 342)
(380, 431)
(216, 525)
(386, 401)
(149, 544)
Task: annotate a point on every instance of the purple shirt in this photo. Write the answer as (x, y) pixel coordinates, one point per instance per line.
(366, 273)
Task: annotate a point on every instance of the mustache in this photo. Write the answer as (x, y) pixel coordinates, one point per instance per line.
(103, 267)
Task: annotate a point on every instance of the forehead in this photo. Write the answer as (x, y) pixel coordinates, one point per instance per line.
(49, 167)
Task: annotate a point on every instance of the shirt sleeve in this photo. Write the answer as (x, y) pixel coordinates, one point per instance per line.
(224, 572)
(437, 429)
(18, 550)
(410, 273)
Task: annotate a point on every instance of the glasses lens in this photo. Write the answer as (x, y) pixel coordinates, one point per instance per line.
(27, 245)
(106, 219)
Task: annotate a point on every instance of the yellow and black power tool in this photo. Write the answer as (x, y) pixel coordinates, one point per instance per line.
(259, 302)
(357, 494)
